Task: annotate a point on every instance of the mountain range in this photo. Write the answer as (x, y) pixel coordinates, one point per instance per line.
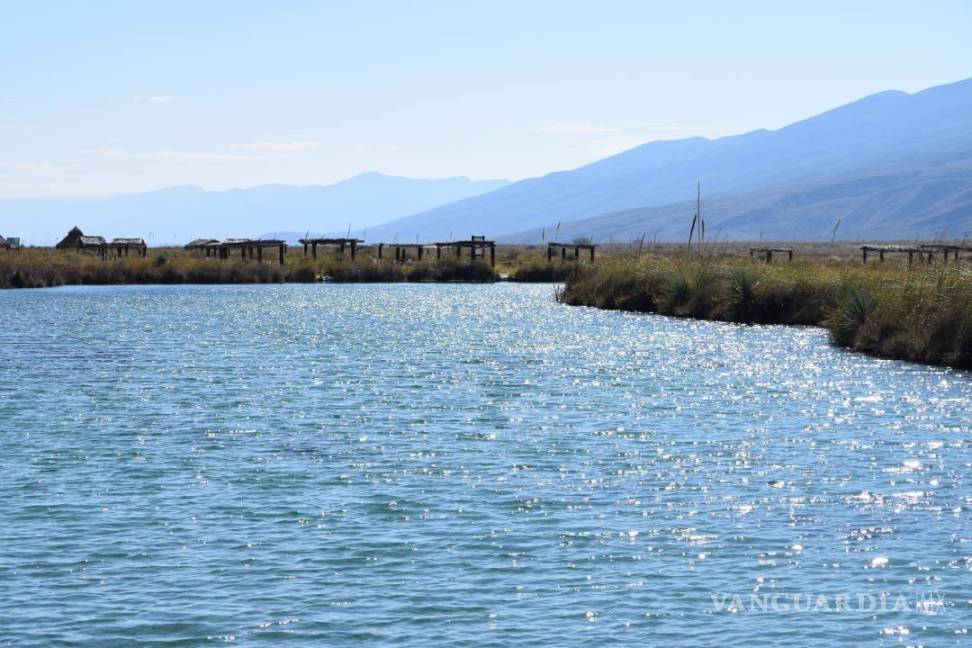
(177, 214)
(892, 165)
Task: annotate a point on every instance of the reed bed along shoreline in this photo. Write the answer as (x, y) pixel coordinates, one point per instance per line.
(921, 314)
(44, 267)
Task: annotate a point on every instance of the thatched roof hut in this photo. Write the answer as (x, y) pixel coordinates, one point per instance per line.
(200, 244)
(76, 240)
(125, 245)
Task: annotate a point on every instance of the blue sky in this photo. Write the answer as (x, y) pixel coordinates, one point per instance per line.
(114, 97)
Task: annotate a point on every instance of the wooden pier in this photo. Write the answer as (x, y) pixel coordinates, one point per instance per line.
(551, 247)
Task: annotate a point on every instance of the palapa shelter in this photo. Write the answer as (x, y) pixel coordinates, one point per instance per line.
(252, 248)
(204, 244)
(477, 246)
(122, 246)
(402, 251)
(76, 240)
(563, 250)
(340, 243)
(893, 249)
(766, 253)
(932, 248)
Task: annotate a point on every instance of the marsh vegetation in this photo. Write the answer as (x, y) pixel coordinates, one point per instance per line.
(921, 313)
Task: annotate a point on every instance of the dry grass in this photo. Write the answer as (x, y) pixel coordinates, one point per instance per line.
(45, 267)
(922, 314)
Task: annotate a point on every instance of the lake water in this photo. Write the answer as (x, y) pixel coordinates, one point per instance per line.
(466, 465)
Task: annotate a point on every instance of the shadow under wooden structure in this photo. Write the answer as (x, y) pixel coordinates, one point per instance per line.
(123, 246)
(477, 246)
(402, 250)
(881, 250)
(340, 243)
(766, 253)
(251, 248)
(563, 250)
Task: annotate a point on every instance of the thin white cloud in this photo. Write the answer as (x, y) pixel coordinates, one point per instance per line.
(175, 155)
(105, 151)
(28, 167)
(573, 128)
(279, 146)
(155, 99)
(377, 148)
(201, 156)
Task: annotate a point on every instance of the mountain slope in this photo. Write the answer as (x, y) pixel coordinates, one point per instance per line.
(177, 214)
(877, 128)
(918, 196)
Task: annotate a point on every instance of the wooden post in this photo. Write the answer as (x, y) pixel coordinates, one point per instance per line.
(260, 254)
(421, 251)
(790, 254)
(576, 252)
(911, 258)
(881, 255)
(458, 251)
(243, 252)
(305, 249)
(864, 252)
(342, 248)
(314, 249)
(492, 255)
(282, 249)
(769, 256)
(549, 253)
(563, 253)
(438, 252)
(380, 246)
(592, 254)
(354, 249)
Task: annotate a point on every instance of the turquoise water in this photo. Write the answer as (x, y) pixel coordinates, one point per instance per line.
(454, 465)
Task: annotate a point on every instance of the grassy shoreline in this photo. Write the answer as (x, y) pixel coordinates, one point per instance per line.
(44, 268)
(922, 314)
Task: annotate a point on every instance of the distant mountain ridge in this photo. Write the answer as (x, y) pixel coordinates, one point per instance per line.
(177, 214)
(885, 127)
(919, 197)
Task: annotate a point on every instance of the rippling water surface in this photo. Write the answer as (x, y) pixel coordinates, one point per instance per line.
(456, 465)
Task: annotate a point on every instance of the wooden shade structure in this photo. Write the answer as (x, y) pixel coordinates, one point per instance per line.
(123, 246)
(477, 246)
(402, 250)
(341, 243)
(766, 253)
(251, 248)
(563, 247)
